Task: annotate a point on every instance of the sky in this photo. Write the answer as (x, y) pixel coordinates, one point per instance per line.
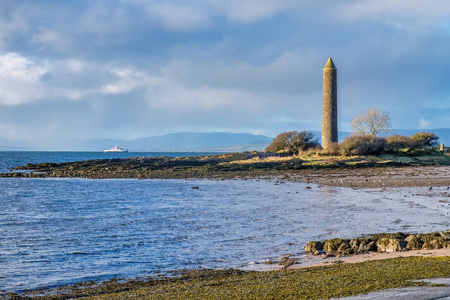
(126, 69)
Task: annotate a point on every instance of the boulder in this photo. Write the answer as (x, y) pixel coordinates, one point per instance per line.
(332, 245)
(436, 243)
(345, 249)
(409, 238)
(355, 243)
(413, 243)
(313, 246)
(366, 246)
(390, 245)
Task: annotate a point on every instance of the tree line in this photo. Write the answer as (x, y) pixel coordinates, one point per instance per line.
(365, 139)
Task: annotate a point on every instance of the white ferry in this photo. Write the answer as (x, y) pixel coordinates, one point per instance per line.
(115, 149)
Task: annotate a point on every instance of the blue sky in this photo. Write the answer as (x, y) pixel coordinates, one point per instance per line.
(134, 68)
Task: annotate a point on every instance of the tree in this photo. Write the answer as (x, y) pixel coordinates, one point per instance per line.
(372, 122)
(425, 139)
(293, 142)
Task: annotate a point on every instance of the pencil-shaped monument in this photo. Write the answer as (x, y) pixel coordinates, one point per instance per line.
(329, 108)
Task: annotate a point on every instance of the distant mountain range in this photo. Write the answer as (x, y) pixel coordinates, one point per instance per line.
(181, 141)
(189, 141)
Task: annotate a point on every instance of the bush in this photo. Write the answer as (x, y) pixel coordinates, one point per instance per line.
(363, 145)
(425, 140)
(293, 142)
(398, 142)
(333, 149)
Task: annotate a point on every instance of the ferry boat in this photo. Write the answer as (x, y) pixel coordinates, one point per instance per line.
(115, 149)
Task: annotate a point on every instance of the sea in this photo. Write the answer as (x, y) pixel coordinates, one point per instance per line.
(59, 231)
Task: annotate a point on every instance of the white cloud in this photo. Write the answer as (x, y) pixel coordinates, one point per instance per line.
(104, 19)
(413, 15)
(182, 15)
(11, 25)
(53, 40)
(129, 79)
(20, 79)
(174, 15)
(424, 124)
(201, 99)
(178, 17)
(288, 73)
(251, 10)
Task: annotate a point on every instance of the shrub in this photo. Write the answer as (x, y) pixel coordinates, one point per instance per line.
(293, 142)
(397, 142)
(425, 140)
(333, 149)
(363, 145)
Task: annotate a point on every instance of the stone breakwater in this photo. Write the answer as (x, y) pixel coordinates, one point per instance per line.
(383, 242)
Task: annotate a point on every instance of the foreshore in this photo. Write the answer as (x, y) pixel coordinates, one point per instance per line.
(324, 260)
(354, 172)
(379, 177)
(365, 174)
(332, 280)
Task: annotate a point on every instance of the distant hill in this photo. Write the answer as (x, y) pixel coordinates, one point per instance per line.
(188, 141)
(9, 145)
(181, 141)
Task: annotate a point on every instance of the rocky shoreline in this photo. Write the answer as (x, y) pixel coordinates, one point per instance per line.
(355, 172)
(382, 242)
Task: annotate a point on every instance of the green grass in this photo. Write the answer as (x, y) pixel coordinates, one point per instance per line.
(334, 281)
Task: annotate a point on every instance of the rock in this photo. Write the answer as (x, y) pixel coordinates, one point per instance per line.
(409, 238)
(345, 248)
(313, 246)
(354, 244)
(390, 245)
(436, 243)
(366, 245)
(414, 243)
(359, 245)
(445, 235)
(446, 244)
(332, 245)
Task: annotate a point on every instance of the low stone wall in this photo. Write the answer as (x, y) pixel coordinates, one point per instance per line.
(383, 242)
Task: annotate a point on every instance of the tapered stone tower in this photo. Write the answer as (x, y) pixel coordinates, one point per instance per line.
(329, 108)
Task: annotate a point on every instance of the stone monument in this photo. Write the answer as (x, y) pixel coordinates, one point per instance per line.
(329, 106)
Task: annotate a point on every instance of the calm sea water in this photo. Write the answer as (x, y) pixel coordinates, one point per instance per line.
(60, 231)
(9, 159)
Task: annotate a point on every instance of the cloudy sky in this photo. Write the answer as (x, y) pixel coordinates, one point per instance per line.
(135, 68)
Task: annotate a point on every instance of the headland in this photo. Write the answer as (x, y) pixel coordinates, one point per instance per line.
(346, 171)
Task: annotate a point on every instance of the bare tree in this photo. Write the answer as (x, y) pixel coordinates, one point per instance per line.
(372, 122)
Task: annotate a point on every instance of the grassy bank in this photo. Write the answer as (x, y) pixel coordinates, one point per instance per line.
(338, 280)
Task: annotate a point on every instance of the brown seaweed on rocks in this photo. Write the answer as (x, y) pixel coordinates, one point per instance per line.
(381, 242)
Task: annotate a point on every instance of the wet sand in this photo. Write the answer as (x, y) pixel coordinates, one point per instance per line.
(322, 260)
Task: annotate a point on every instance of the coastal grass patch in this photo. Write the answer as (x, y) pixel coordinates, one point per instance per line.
(337, 280)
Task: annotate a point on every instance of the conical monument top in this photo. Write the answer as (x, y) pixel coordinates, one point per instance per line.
(330, 65)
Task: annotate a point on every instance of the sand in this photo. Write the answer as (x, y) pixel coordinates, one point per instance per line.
(375, 177)
(322, 260)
